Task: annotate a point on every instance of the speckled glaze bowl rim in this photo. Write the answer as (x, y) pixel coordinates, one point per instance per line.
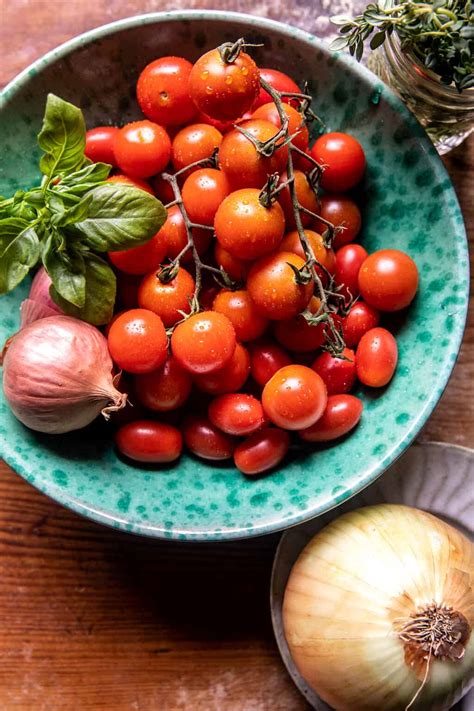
(262, 24)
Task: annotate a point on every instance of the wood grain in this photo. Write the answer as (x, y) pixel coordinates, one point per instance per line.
(95, 620)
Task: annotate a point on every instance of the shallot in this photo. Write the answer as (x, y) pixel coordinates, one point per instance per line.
(39, 303)
(57, 375)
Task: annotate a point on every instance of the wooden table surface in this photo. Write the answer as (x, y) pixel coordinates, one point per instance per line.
(94, 619)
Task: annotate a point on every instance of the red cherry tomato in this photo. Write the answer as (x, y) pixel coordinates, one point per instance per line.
(247, 229)
(376, 357)
(343, 158)
(341, 415)
(127, 290)
(163, 93)
(224, 90)
(167, 299)
(149, 441)
(240, 310)
(342, 212)
(273, 287)
(388, 280)
(349, 260)
(162, 189)
(139, 260)
(339, 374)
(296, 125)
(204, 343)
(360, 319)
(173, 232)
(194, 143)
(164, 389)
(222, 126)
(137, 341)
(280, 82)
(325, 255)
(228, 379)
(142, 148)
(262, 451)
(294, 398)
(305, 196)
(208, 293)
(236, 413)
(203, 191)
(297, 335)
(237, 269)
(265, 359)
(205, 440)
(134, 182)
(240, 160)
(100, 144)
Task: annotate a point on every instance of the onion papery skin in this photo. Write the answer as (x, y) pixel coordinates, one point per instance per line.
(39, 303)
(57, 375)
(351, 589)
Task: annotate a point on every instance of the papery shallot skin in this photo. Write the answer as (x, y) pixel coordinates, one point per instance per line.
(39, 303)
(57, 375)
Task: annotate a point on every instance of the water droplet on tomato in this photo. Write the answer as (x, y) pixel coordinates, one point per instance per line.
(209, 89)
(228, 80)
(204, 74)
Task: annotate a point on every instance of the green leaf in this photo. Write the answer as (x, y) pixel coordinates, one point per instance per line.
(69, 215)
(19, 252)
(83, 180)
(66, 269)
(120, 217)
(100, 293)
(377, 40)
(338, 44)
(62, 137)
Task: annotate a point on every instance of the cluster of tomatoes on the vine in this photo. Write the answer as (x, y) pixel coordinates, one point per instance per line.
(251, 272)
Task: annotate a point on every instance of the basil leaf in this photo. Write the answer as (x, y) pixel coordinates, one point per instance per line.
(120, 217)
(62, 137)
(66, 269)
(66, 214)
(85, 179)
(19, 252)
(100, 293)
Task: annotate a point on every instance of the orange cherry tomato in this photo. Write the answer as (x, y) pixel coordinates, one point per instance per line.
(341, 415)
(240, 310)
(164, 389)
(203, 191)
(325, 255)
(142, 148)
(149, 441)
(388, 280)
(296, 125)
(134, 182)
(163, 91)
(273, 287)
(137, 341)
(204, 343)
(261, 451)
(167, 299)
(228, 379)
(376, 357)
(294, 398)
(236, 413)
(194, 143)
(237, 269)
(140, 260)
(306, 198)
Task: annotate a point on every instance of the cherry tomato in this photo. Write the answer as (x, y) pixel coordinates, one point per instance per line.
(240, 310)
(134, 182)
(162, 189)
(376, 357)
(240, 160)
(262, 451)
(237, 269)
(294, 398)
(296, 125)
(100, 144)
(236, 413)
(208, 293)
(149, 441)
(296, 334)
(174, 234)
(204, 343)
(388, 280)
(167, 299)
(194, 143)
(280, 82)
(202, 193)
(142, 148)
(349, 260)
(342, 212)
(164, 389)
(137, 341)
(273, 287)
(163, 92)
(304, 163)
(265, 359)
(224, 90)
(305, 195)
(343, 158)
(205, 440)
(339, 374)
(360, 319)
(341, 415)
(325, 255)
(222, 126)
(228, 379)
(139, 260)
(247, 229)
(127, 290)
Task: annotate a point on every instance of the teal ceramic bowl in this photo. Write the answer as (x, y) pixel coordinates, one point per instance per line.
(408, 202)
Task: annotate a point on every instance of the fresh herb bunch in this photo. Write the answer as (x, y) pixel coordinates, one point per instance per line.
(71, 219)
(439, 34)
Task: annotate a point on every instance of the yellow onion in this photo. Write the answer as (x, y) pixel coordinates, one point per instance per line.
(378, 611)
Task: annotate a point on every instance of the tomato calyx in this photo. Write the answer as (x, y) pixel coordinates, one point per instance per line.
(229, 51)
(269, 192)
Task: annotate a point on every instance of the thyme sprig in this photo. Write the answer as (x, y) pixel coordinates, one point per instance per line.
(439, 34)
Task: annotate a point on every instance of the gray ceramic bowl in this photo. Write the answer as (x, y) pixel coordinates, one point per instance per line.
(408, 201)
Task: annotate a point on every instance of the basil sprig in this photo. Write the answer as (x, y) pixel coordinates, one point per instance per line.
(73, 217)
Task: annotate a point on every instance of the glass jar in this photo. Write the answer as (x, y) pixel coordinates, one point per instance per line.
(446, 114)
